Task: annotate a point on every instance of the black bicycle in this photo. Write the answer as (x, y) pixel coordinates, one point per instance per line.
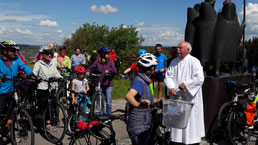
(98, 132)
(21, 131)
(159, 135)
(231, 116)
(52, 121)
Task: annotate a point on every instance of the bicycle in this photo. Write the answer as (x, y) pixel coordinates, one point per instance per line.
(99, 131)
(53, 118)
(77, 114)
(232, 114)
(159, 136)
(97, 106)
(64, 87)
(22, 131)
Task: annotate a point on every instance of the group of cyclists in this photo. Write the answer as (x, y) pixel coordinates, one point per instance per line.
(48, 64)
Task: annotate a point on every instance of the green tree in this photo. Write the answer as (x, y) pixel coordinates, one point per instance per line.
(124, 39)
(90, 37)
(252, 51)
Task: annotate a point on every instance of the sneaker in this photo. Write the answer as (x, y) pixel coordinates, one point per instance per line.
(51, 128)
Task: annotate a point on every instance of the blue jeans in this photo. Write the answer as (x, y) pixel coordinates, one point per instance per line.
(107, 96)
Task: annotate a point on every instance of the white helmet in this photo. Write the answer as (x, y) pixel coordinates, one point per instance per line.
(147, 60)
(44, 49)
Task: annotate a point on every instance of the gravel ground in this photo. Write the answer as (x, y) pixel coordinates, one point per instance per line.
(121, 133)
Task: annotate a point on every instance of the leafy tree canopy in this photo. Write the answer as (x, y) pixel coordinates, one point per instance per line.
(93, 36)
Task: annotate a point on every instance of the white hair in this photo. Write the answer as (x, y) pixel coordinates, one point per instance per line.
(188, 46)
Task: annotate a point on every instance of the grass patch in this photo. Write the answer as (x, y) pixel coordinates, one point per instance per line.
(120, 88)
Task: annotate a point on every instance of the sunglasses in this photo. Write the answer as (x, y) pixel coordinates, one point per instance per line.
(49, 53)
(12, 50)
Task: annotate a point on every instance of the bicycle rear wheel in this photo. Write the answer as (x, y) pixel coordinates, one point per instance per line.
(73, 120)
(22, 131)
(54, 122)
(238, 131)
(96, 107)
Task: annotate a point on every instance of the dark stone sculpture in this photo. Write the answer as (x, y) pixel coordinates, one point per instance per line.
(215, 39)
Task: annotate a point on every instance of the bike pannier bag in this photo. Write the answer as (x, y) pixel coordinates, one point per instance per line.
(250, 113)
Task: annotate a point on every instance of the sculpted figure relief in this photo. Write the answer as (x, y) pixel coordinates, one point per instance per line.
(215, 37)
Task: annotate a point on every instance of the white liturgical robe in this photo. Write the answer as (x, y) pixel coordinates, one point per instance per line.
(190, 72)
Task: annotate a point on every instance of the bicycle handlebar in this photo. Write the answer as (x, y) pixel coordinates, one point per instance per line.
(153, 105)
(51, 80)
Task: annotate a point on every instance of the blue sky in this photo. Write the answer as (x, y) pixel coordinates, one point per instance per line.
(159, 21)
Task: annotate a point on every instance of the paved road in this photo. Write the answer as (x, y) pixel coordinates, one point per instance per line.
(121, 133)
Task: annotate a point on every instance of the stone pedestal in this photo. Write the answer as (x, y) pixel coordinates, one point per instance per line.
(214, 95)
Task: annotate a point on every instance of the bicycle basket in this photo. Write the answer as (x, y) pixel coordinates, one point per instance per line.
(176, 113)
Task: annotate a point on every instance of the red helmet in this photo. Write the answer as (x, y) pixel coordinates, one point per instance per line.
(80, 69)
(133, 56)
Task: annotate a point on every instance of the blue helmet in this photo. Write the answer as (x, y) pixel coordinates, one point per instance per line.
(141, 52)
(104, 50)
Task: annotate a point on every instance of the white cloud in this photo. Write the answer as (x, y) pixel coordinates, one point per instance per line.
(25, 32)
(160, 33)
(251, 20)
(48, 23)
(20, 18)
(2, 30)
(107, 9)
(140, 24)
(59, 31)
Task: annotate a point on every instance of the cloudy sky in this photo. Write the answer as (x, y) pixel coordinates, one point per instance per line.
(159, 21)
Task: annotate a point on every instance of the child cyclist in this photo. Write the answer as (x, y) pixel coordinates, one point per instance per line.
(80, 85)
(139, 123)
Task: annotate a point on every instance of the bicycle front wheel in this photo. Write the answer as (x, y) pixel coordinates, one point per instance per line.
(74, 119)
(96, 106)
(54, 122)
(22, 132)
(238, 131)
(223, 115)
(83, 138)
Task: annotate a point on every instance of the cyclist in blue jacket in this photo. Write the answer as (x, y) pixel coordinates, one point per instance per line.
(10, 64)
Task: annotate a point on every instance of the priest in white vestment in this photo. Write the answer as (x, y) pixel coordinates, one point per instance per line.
(185, 74)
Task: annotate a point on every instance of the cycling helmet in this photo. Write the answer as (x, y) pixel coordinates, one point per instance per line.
(147, 60)
(80, 69)
(133, 56)
(141, 52)
(44, 49)
(8, 44)
(103, 51)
